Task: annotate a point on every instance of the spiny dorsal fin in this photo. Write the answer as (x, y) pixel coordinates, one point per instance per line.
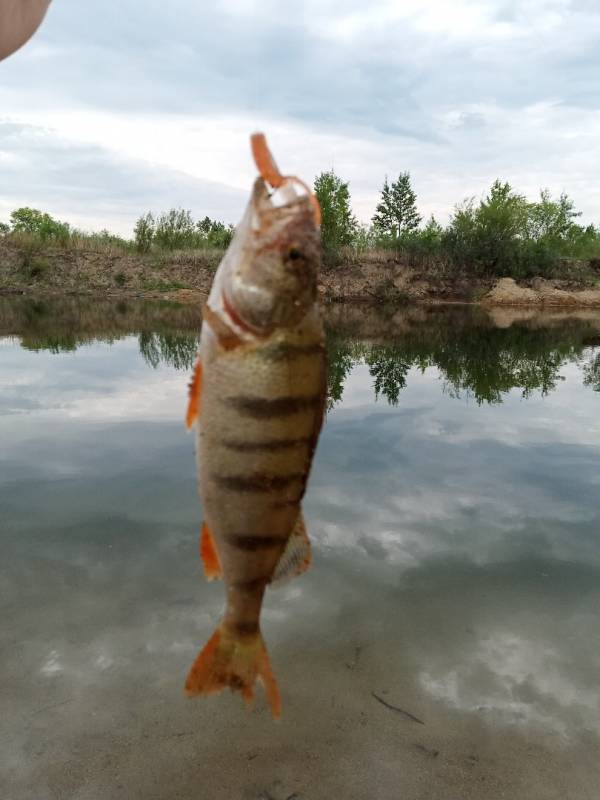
(296, 557)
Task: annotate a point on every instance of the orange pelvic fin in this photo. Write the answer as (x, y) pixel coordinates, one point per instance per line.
(296, 557)
(269, 171)
(209, 555)
(234, 660)
(193, 410)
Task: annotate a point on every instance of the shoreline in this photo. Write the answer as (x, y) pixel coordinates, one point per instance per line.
(505, 294)
(186, 277)
(57, 316)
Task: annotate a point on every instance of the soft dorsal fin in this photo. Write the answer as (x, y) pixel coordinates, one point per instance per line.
(296, 557)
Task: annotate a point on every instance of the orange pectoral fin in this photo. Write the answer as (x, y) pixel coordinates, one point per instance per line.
(193, 410)
(209, 555)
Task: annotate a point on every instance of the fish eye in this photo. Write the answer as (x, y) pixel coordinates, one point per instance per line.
(294, 254)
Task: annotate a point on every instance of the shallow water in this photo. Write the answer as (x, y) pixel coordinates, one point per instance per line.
(454, 509)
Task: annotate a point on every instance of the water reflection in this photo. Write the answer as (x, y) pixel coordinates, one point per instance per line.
(591, 371)
(177, 350)
(479, 361)
(475, 357)
(456, 564)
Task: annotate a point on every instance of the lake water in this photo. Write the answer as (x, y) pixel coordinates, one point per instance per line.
(454, 509)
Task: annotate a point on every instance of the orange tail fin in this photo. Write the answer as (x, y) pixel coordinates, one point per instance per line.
(229, 659)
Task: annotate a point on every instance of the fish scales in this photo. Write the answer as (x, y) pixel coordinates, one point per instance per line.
(270, 509)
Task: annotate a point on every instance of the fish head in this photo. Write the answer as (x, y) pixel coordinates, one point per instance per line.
(272, 281)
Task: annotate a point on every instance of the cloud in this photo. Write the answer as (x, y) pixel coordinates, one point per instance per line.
(458, 94)
(86, 183)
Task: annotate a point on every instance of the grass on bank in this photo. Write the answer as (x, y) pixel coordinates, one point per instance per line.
(500, 235)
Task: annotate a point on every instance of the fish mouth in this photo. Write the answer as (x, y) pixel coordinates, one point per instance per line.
(291, 191)
(270, 174)
(291, 195)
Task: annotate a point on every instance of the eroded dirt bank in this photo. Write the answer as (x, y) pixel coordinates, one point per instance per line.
(187, 276)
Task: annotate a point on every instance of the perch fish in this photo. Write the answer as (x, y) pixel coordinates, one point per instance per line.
(257, 398)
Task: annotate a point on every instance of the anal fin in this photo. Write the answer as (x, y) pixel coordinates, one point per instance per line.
(296, 557)
(209, 555)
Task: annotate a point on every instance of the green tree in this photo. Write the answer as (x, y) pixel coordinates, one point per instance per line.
(338, 224)
(4, 229)
(37, 223)
(552, 219)
(501, 222)
(144, 232)
(396, 213)
(552, 225)
(490, 237)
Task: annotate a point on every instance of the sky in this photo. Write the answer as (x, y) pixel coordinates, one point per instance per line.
(112, 110)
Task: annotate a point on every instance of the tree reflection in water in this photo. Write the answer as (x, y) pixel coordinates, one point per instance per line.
(479, 361)
(473, 356)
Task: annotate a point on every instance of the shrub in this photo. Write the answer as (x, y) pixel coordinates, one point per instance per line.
(491, 238)
(214, 234)
(506, 235)
(35, 267)
(175, 230)
(39, 224)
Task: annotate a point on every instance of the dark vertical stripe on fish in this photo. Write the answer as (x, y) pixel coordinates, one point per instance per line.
(265, 408)
(256, 542)
(266, 445)
(245, 628)
(287, 351)
(257, 482)
(250, 586)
